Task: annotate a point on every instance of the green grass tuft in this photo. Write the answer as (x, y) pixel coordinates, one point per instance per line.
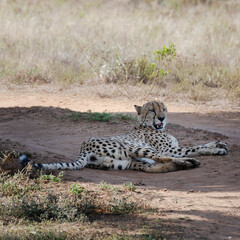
(51, 177)
(100, 117)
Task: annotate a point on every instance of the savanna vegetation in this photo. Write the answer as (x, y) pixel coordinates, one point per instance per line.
(183, 46)
(189, 48)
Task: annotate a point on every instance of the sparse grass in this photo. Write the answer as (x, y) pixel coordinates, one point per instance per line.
(100, 117)
(45, 42)
(119, 205)
(127, 186)
(26, 201)
(51, 177)
(38, 235)
(106, 186)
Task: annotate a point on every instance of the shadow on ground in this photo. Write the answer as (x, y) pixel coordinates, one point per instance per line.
(52, 135)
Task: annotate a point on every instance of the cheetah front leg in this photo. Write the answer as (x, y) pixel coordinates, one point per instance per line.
(212, 148)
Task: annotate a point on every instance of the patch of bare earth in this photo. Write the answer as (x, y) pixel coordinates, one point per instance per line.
(203, 203)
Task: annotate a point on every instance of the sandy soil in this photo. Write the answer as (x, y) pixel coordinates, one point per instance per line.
(202, 203)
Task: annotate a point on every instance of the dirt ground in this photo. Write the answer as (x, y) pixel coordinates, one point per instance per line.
(203, 203)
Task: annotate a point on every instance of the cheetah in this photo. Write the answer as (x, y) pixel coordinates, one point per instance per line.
(146, 148)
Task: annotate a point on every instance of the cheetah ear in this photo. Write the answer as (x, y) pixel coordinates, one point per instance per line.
(138, 109)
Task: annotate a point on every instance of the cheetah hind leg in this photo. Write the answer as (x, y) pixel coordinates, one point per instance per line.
(114, 164)
(108, 163)
(170, 165)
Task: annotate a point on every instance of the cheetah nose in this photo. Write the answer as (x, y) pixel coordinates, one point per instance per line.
(161, 119)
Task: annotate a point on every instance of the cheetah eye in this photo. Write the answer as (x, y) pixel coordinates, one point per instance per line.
(152, 110)
(164, 109)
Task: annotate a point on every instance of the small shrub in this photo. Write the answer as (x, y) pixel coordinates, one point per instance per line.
(138, 70)
(129, 186)
(16, 185)
(120, 206)
(76, 189)
(4, 154)
(9, 188)
(141, 69)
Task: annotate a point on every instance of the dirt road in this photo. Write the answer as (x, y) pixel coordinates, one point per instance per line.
(205, 201)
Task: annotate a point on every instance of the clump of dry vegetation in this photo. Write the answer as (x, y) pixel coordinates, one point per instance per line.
(84, 42)
(35, 205)
(9, 162)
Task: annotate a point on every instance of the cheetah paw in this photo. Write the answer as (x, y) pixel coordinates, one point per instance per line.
(217, 144)
(218, 147)
(220, 151)
(186, 163)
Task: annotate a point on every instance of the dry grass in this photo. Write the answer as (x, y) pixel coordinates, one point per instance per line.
(65, 42)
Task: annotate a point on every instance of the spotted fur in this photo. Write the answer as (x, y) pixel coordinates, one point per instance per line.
(147, 147)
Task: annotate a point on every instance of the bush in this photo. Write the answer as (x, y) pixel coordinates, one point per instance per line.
(141, 69)
(50, 207)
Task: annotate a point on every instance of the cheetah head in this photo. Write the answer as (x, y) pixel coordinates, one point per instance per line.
(152, 114)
